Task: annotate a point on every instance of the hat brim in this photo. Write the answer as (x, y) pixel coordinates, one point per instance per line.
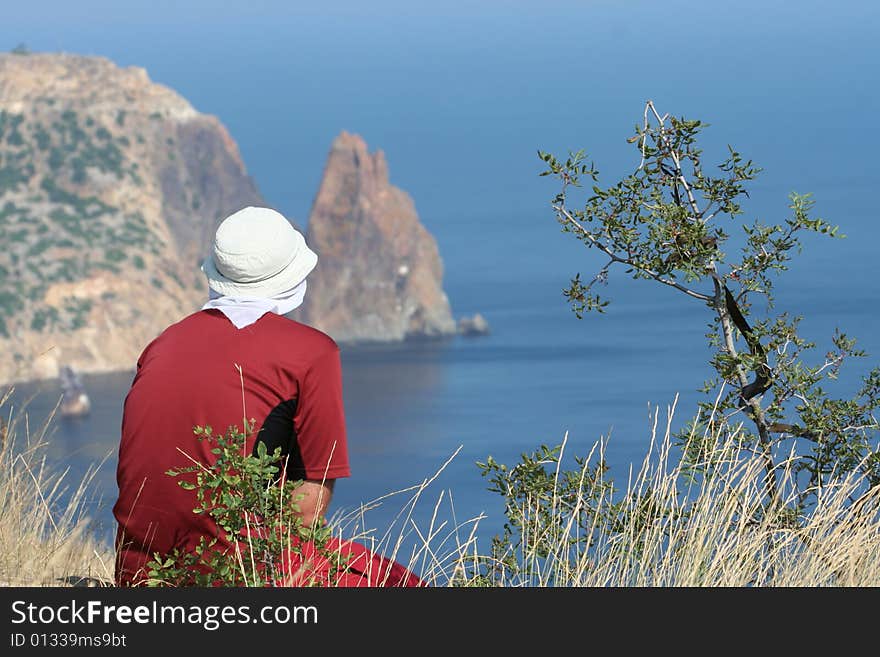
(285, 280)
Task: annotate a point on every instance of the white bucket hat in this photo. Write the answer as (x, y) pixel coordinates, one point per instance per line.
(257, 253)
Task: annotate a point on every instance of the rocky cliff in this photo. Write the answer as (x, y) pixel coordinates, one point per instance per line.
(379, 273)
(110, 189)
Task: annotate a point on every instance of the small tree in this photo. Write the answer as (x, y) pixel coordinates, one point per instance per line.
(668, 223)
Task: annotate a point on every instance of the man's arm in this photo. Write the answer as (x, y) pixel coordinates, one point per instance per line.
(314, 499)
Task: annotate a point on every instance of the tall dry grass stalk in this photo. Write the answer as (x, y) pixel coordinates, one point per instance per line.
(717, 531)
(434, 550)
(45, 536)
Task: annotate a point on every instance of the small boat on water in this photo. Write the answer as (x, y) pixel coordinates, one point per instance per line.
(75, 401)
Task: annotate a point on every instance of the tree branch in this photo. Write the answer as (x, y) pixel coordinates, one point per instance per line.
(756, 412)
(687, 188)
(616, 258)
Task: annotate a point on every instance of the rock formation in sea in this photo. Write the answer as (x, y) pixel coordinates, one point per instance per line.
(473, 326)
(379, 273)
(111, 187)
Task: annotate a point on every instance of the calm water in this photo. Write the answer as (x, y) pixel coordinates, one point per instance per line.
(460, 98)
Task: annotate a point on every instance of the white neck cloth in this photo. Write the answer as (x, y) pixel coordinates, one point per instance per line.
(244, 311)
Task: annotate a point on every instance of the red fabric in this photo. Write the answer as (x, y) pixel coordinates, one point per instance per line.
(188, 377)
(363, 568)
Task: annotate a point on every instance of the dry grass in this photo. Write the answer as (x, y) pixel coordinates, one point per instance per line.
(435, 551)
(712, 533)
(45, 537)
(719, 532)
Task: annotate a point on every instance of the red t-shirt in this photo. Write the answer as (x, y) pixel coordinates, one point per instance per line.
(290, 383)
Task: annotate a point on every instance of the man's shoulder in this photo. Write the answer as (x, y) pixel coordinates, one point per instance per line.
(194, 322)
(314, 338)
(192, 325)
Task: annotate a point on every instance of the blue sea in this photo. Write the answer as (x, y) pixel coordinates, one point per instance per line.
(460, 96)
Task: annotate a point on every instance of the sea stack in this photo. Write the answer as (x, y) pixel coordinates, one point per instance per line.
(379, 273)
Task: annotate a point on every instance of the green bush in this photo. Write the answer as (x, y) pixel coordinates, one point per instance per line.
(114, 255)
(56, 158)
(256, 514)
(44, 317)
(42, 137)
(87, 207)
(67, 269)
(37, 292)
(173, 276)
(9, 128)
(39, 247)
(10, 303)
(11, 177)
(68, 222)
(77, 311)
